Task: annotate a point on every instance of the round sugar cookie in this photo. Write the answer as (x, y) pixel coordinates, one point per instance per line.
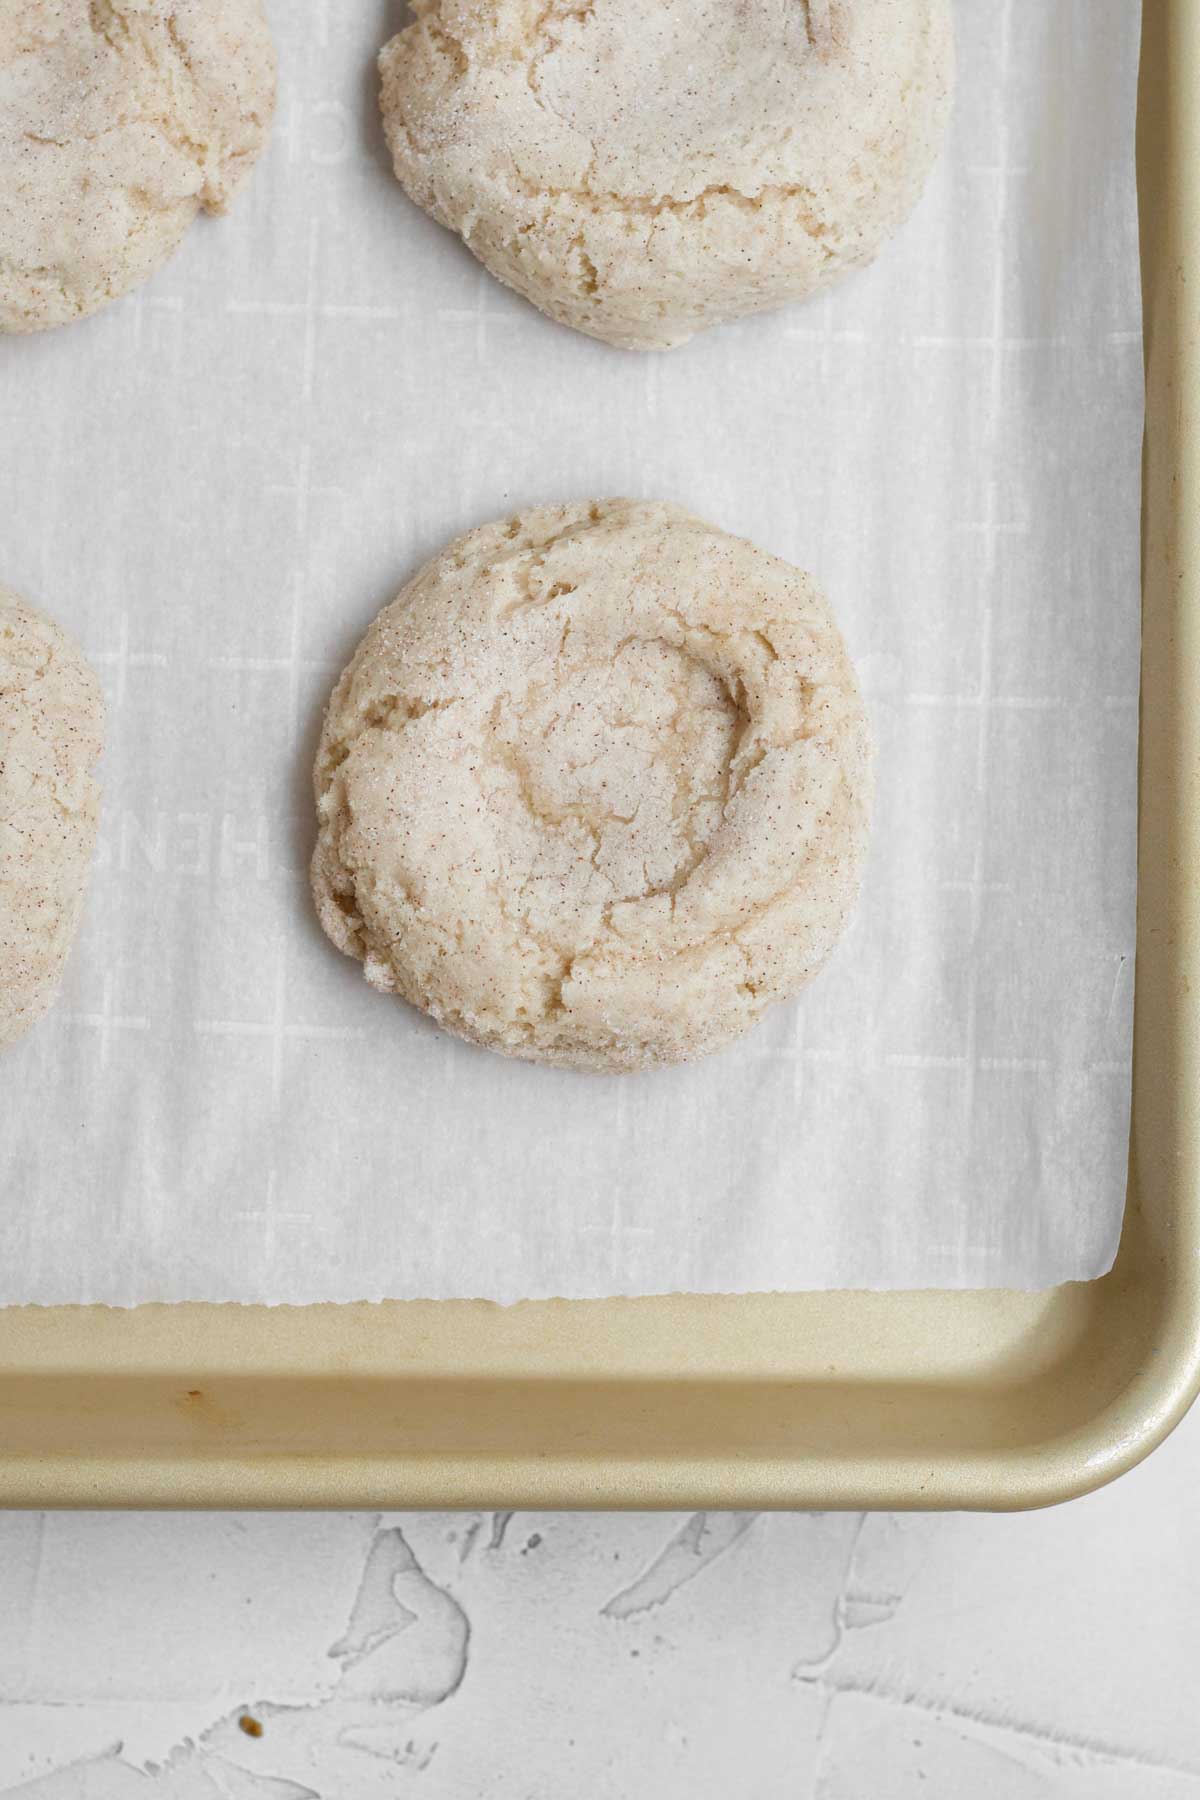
(640, 169)
(594, 789)
(51, 732)
(119, 120)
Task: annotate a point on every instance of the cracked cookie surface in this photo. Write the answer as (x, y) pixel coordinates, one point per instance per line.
(119, 120)
(594, 789)
(640, 169)
(51, 731)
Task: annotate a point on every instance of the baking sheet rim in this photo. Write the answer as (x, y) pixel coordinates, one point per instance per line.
(1069, 1388)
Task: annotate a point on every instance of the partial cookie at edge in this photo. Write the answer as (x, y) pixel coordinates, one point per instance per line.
(119, 121)
(51, 735)
(641, 169)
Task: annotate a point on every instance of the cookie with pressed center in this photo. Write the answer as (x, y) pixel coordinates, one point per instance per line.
(594, 789)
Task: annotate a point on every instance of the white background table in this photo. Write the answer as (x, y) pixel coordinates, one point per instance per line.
(677, 1657)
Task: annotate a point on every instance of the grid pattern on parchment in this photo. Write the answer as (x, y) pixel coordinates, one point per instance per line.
(323, 388)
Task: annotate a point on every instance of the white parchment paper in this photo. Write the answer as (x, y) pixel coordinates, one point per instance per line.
(217, 483)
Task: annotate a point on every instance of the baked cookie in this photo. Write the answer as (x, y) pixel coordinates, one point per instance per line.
(51, 733)
(640, 169)
(119, 120)
(594, 789)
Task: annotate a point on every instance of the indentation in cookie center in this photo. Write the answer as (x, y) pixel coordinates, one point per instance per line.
(629, 760)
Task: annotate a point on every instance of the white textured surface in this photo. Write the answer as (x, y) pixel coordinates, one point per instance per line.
(323, 388)
(1045, 1656)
